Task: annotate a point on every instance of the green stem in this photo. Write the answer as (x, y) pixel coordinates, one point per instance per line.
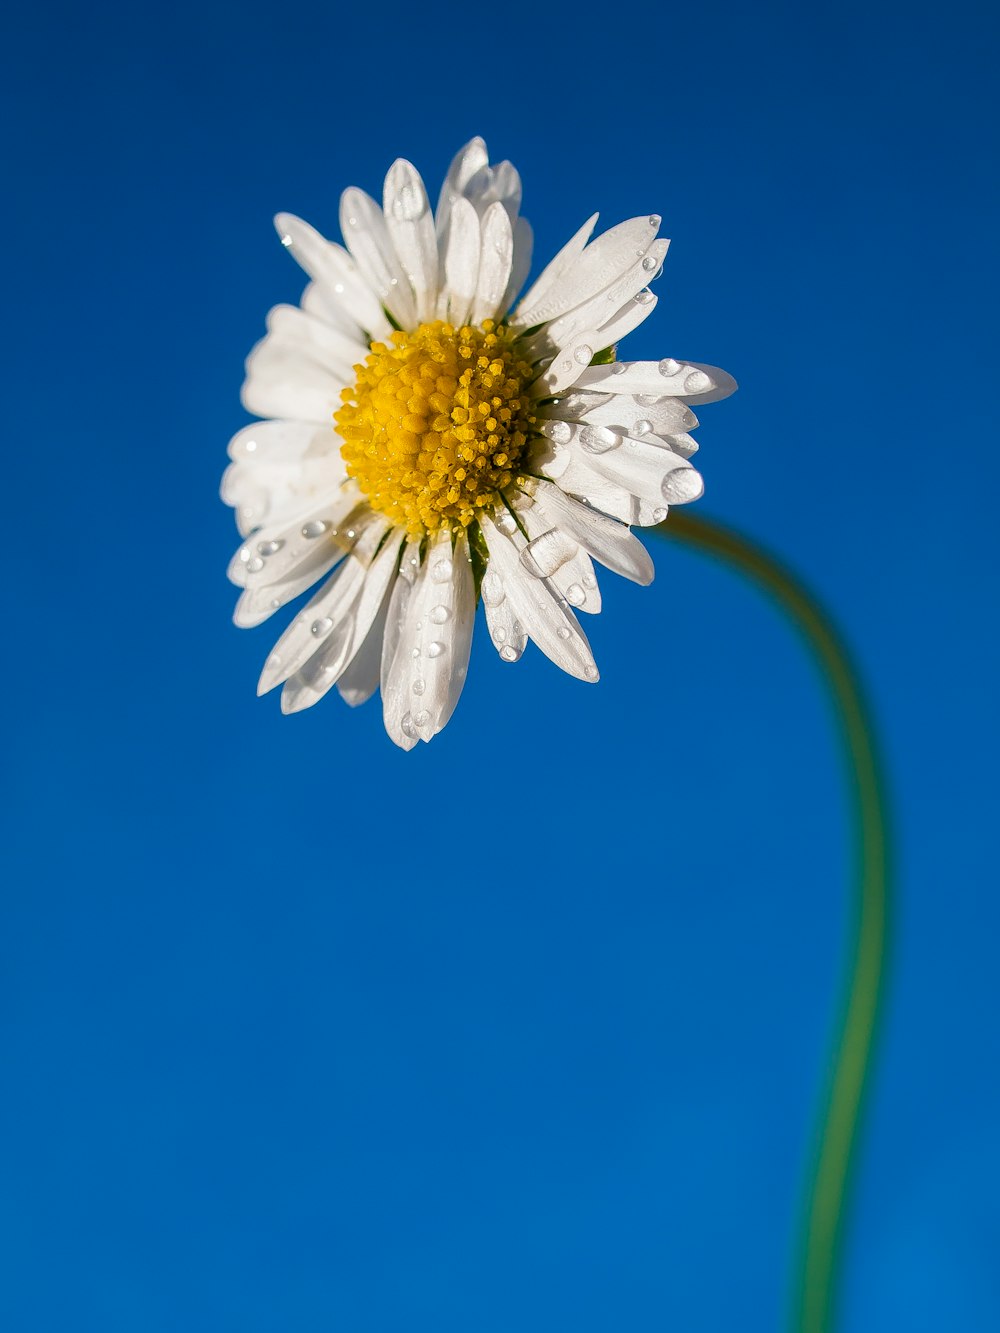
(822, 1225)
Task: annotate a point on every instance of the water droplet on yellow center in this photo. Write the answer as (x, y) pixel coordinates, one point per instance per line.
(437, 423)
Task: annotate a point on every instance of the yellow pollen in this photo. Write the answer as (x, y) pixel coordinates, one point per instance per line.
(436, 423)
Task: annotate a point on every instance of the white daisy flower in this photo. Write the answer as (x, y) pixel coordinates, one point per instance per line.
(426, 446)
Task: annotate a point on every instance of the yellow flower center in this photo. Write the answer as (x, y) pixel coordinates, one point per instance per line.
(437, 423)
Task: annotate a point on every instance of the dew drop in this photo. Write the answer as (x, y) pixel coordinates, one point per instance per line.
(244, 553)
(599, 439)
(589, 581)
(642, 427)
(561, 432)
(575, 595)
(441, 571)
(250, 446)
(286, 240)
(563, 632)
(509, 654)
(492, 589)
(421, 718)
(619, 368)
(668, 366)
(655, 219)
(321, 626)
(314, 528)
(659, 515)
(644, 297)
(681, 484)
(439, 614)
(419, 686)
(648, 399)
(414, 653)
(255, 565)
(408, 204)
(591, 672)
(583, 354)
(649, 263)
(435, 649)
(697, 382)
(275, 603)
(269, 548)
(505, 522)
(499, 634)
(407, 728)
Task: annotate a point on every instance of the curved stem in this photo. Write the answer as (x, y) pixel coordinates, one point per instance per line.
(822, 1222)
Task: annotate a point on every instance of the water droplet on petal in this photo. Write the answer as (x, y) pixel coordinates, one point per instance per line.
(441, 570)
(255, 565)
(435, 649)
(250, 446)
(419, 686)
(509, 654)
(668, 366)
(563, 632)
(561, 432)
(505, 522)
(421, 718)
(697, 382)
(583, 354)
(547, 553)
(619, 368)
(681, 484)
(321, 626)
(659, 515)
(439, 614)
(414, 653)
(269, 548)
(648, 399)
(644, 297)
(575, 595)
(591, 672)
(499, 634)
(599, 439)
(492, 589)
(314, 528)
(408, 204)
(407, 728)
(641, 427)
(649, 263)
(589, 581)
(655, 219)
(286, 240)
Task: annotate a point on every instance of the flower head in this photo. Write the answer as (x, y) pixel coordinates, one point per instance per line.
(425, 446)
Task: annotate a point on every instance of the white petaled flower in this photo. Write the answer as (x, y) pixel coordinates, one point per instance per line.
(426, 446)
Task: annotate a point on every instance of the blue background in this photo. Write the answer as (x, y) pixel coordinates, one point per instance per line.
(524, 1029)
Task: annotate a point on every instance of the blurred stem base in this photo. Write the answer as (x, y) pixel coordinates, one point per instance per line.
(820, 1245)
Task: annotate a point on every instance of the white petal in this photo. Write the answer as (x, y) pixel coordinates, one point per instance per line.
(646, 469)
(554, 271)
(524, 240)
(665, 416)
(606, 307)
(506, 631)
(325, 621)
(280, 383)
(333, 270)
(544, 614)
(494, 263)
(500, 184)
(568, 363)
(367, 237)
(283, 442)
(319, 301)
(411, 227)
(359, 679)
(553, 553)
(395, 702)
(342, 645)
(665, 379)
(466, 163)
(461, 262)
(272, 493)
(605, 261)
(608, 541)
(293, 329)
(274, 552)
(259, 603)
(433, 637)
